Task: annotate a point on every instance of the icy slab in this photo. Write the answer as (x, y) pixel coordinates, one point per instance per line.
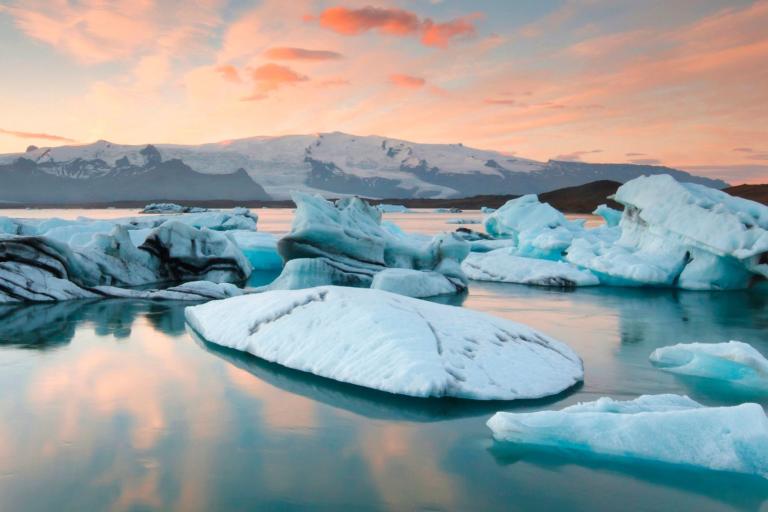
(392, 208)
(485, 210)
(463, 221)
(413, 283)
(501, 266)
(448, 210)
(391, 343)
(609, 215)
(192, 291)
(260, 248)
(663, 428)
(736, 362)
(352, 245)
(537, 229)
(171, 208)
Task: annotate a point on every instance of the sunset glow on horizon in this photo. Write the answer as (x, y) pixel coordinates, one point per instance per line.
(681, 83)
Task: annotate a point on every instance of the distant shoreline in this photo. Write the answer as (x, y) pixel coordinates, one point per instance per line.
(578, 199)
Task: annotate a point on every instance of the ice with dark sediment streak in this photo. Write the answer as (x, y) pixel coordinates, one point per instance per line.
(345, 243)
(391, 343)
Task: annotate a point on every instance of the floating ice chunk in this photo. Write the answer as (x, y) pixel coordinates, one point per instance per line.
(413, 283)
(502, 266)
(539, 230)
(662, 428)
(736, 362)
(611, 216)
(349, 239)
(192, 291)
(259, 248)
(392, 343)
(486, 210)
(171, 208)
(392, 208)
(448, 210)
(463, 221)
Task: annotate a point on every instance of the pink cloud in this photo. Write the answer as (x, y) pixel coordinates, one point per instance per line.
(441, 34)
(287, 53)
(273, 76)
(229, 73)
(34, 135)
(395, 22)
(407, 81)
(500, 101)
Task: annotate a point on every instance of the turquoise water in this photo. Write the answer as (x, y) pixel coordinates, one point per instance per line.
(113, 405)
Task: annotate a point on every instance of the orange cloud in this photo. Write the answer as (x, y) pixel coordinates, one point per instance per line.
(286, 53)
(441, 34)
(500, 101)
(270, 77)
(33, 135)
(351, 22)
(229, 73)
(412, 82)
(394, 22)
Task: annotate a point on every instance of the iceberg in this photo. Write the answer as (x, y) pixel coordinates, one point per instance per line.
(392, 343)
(502, 266)
(345, 244)
(463, 221)
(260, 248)
(392, 208)
(736, 362)
(537, 229)
(682, 235)
(171, 208)
(609, 215)
(448, 210)
(662, 428)
(413, 283)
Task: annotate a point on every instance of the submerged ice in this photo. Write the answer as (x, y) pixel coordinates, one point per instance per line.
(392, 343)
(663, 428)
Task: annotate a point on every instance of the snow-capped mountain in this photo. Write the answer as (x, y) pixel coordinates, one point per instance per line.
(332, 164)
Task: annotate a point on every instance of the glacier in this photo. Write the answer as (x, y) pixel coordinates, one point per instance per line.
(410, 347)
(735, 362)
(345, 243)
(669, 234)
(661, 428)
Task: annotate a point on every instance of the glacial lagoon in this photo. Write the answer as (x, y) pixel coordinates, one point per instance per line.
(115, 405)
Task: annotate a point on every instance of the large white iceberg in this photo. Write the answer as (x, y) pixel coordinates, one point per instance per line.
(345, 244)
(737, 363)
(669, 234)
(664, 428)
(502, 266)
(391, 343)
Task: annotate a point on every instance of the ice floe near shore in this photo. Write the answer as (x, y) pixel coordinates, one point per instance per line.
(344, 243)
(736, 362)
(670, 234)
(663, 428)
(391, 343)
(171, 208)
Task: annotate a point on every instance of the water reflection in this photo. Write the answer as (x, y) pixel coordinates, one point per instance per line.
(132, 413)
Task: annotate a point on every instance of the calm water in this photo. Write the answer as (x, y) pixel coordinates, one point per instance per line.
(114, 405)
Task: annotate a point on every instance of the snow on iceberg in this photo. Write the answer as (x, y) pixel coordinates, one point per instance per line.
(736, 362)
(680, 234)
(537, 229)
(391, 343)
(345, 244)
(501, 265)
(662, 428)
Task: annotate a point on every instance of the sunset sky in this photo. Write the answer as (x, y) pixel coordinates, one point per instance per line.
(678, 82)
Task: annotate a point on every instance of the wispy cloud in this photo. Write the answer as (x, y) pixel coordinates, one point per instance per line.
(408, 81)
(36, 135)
(288, 53)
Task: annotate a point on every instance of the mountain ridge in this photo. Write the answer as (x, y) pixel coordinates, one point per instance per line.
(332, 164)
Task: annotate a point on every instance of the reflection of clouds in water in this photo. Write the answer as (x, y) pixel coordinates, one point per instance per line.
(124, 403)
